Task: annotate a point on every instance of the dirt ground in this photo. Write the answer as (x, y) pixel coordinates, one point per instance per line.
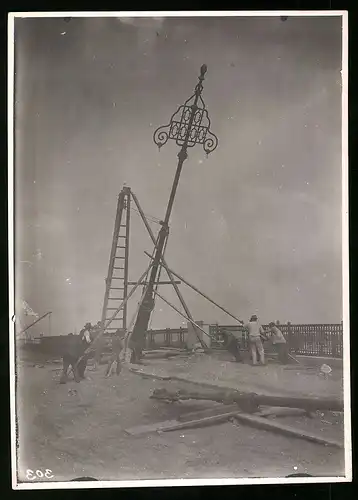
(81, 433)
(272, 379)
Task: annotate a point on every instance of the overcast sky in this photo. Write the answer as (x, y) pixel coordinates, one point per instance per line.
(257, 225)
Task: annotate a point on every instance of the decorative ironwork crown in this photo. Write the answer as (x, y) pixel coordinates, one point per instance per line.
(190, 124)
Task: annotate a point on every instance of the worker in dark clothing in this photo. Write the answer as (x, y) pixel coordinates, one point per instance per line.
(85, 343)
(279, 343)
(233, 346)
(98, 344)
(117, 346)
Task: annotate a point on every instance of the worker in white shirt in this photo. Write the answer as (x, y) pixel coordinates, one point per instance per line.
(255, 331)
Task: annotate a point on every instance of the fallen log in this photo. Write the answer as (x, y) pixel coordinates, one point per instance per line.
(250, 402)
(245, 402)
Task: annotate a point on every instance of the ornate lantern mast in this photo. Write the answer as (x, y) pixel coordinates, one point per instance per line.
(188, 126)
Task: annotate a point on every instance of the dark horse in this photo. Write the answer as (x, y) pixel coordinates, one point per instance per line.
(74, 347)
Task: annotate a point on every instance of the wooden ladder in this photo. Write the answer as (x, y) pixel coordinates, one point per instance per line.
(117, 278)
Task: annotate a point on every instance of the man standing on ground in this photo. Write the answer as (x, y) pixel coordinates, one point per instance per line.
(255, 331)
(117, 346)
(98, 344)
(85, 339)
(279, 343)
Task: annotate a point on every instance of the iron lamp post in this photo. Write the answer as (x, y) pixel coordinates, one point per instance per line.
(188, 126)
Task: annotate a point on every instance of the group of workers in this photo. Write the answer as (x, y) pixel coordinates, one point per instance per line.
(256, 335)
(91, 335)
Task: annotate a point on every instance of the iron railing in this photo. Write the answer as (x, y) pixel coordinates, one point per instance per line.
(304, 339)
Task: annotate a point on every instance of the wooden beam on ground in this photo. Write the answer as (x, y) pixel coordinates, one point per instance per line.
(138, 370)
(176, 425)
(202, 422)
(302, 367)
(295, 361)
(218, 409)
(277, 411)
(250, 401)
(196, 420)
(208, 412)
(162, 355)
(244, 403)
(149, 428)
(173, 350)
(269, 425)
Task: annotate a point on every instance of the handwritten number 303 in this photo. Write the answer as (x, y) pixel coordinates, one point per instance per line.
(30, 474)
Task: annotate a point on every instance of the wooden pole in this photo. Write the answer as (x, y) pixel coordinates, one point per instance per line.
(90, 347)
(183, 315)
(116, 229)
(34, 323)
(127, 298)
(175, 286)
(202, 294)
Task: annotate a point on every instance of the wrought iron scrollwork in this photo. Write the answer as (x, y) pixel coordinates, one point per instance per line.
(190, 124)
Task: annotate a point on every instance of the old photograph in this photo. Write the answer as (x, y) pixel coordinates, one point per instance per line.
(179, 309)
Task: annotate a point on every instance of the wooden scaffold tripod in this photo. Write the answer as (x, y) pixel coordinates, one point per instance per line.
(119, 275)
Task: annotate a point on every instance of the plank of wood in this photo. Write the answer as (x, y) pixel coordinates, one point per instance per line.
(279, 411)
(146, 429)
(269, 425)
(174, 350)
(140, 370)
(295, 360)
(208, 412)
(162, 355)
(301, 368)
(201, 422)
(175, 425)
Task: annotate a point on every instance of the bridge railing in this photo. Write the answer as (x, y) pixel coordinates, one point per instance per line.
(304, 339)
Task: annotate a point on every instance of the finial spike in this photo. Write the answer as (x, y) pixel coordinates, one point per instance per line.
(203, 70)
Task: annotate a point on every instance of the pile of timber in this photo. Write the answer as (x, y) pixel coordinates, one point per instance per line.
(223, 413)
(247, 408)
